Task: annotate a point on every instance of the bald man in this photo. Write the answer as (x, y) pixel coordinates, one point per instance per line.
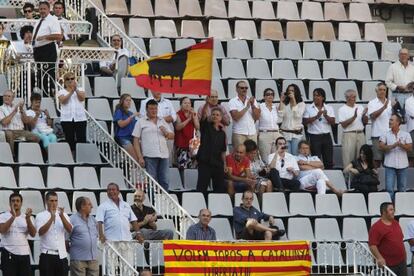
(212, 102)
(201, 231)
(399, 74)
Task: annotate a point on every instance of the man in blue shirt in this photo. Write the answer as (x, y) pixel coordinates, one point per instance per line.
(83, 240)
(247, 222)
(201, 231)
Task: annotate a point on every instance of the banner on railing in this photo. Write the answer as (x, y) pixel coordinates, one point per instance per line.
(236, 258)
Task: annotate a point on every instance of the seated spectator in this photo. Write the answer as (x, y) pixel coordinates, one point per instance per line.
(211, 155)
(40, 121)
(145, 272)
(311, 176)
(125, 121)
(24, 46)
(290, 111)
(211, 103)
(147, 217)
(364, 176)
(258, 168)
(284, 167)
(239, 176)
(186, 126)
(108, 68)
(13, 118)
(28, 10)
(201, 231)
(2, 37)
(247, 222)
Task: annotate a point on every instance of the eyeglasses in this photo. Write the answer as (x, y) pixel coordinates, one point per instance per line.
(269, 94)
(70, 79)
(282, 163)
(243, 87)
(27, 11)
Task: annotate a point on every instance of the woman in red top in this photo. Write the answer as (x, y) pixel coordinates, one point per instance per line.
(186, 124)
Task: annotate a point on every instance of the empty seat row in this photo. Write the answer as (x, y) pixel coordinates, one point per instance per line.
(246, 29)
(314, 11)
(60, 178)
(58, 153)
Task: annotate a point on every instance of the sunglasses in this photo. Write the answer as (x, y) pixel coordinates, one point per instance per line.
(243, 87)
(269, 94)
(282, 163)
(27, 11)
(70, 79)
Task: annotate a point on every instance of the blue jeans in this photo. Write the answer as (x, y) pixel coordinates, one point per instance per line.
(293, 146)
(390, 174)
(158, 169)
(46, 138)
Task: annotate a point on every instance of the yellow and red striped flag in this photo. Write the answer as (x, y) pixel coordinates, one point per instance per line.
(196, 258)
(187, 71)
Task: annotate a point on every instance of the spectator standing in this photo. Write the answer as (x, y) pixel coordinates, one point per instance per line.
(2, 37)
(24, 46)
(268, 124)
(125, 122)
(319, 118)
(352, 118)
(239, 175)
(13, 118)
(395, 143)
(410, 237)
(364, 177)
(15, 226)
(284, 167)
(186, 126)
(258, 169)
(201, 231)
(83, 240)
(52, 224)
(59, 13)
(386, 241)
(150, 142)
(244, 111)
(108, 68)
(40, 121)
(291, 111)
(46, 33)
(311, 174)
(212, 102)
(247, 221)
(399, 74)
(211, 156)
(409, 115)
(72, 112)
(147, 218)
(380, 111)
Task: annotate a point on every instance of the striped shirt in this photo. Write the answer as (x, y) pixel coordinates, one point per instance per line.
(16, 123)
(197, 232)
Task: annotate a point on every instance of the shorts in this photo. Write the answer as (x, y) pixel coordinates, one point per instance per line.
(240, 187)
(123, 141)
(377, 153)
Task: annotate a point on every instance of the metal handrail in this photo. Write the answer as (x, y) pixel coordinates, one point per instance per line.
(114, 263)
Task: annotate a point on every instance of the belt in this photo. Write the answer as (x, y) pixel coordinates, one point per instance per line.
(269, 130)
(354, 131)
(320, 134)
(296, 131)
(50, 252)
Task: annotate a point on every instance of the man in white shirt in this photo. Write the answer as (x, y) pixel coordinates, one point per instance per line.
(409, 116)
(114, 217)
(352, 117)
(12, 119)
(410, 237)
(52, 225)
(399, 74)
(46, 33)
(319, 117)
(108, 68)
(244, 111)
(58, 12)
(395, 144)
(379, 110)
(14, 228)
(311, 174)
(150, 142)
(284, 167)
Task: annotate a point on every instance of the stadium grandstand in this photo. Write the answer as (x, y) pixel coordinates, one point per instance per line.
(338, 47)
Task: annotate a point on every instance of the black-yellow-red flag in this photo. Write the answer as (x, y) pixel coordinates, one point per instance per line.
(187, 71)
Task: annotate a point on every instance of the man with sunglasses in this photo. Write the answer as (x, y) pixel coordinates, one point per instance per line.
(285, 167)
(245, 111)
(28, 10)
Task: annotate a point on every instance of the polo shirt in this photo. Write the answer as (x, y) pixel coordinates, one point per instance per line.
(245, 125)
(397, 157)
(237, 168)
(242, 214)
(320, 125)
(380, 124)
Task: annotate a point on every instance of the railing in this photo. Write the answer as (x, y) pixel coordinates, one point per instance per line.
(114, 262)
(345, 257)
(106, 28)
(16, 3)
(136, 177)
(74, 28)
